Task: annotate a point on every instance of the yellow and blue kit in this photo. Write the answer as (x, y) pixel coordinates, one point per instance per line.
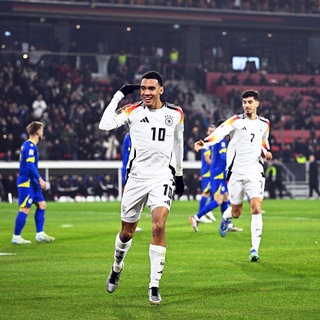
(29, 189)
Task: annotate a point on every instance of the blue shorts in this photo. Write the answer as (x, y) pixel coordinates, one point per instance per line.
(218, 186)
(205, 184)
(29, 195)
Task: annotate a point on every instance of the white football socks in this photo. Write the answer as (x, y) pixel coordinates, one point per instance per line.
(227, 214)
(256, 230)
(120, 252)
(157, 256)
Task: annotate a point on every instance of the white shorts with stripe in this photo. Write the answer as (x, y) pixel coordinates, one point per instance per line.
(156, 192)
(241, 186)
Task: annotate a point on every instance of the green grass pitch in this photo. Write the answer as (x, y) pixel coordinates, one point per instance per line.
(205, 276)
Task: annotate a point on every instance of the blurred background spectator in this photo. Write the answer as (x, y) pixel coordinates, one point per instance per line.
(62, 73)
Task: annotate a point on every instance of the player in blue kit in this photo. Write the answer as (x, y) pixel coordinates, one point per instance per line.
(30, 185)
(125, 152)
(206, 158)
(217, 185)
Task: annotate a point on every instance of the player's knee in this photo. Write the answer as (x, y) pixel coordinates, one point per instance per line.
(255, 206)
(218, 198)
(219, 201)
(255, 209)
(42, 205)
(25, 210)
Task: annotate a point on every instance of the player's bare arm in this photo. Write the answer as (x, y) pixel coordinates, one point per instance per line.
(43, 184)
(198, 145)
(268, 155)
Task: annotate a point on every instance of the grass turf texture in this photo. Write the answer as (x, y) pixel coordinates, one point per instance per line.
(205, 277)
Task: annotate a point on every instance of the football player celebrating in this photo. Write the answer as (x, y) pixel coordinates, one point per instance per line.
(154, 171)
(248, 143)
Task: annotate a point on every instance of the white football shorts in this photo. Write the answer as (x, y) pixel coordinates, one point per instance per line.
(155, 192)
(251, 186)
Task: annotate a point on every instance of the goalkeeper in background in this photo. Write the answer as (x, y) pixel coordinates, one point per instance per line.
(154, 171)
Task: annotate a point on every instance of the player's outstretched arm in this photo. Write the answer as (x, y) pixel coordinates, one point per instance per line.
(268, 155)
(198, 145)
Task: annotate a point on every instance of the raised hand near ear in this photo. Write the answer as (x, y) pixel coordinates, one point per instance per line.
(129, 88)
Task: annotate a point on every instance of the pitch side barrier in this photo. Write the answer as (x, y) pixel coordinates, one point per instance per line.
(60, 168)
(295, 175)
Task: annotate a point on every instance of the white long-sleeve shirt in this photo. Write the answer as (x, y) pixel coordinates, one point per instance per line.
(248, 141)
(156, 137)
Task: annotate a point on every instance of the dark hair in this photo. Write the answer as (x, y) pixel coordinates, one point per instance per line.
(153, 75)
(221, 121)
(33, 127)
(251, 93)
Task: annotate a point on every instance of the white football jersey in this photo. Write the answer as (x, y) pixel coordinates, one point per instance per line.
(156, 137)
(248, 141)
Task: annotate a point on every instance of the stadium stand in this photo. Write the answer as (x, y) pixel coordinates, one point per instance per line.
(287, 6)
(74, 91)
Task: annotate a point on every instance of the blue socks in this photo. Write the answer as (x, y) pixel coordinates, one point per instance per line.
(20, 222)
(39, 219)
(224, 206)
(22, 218)
(209, 207)
(202, 202)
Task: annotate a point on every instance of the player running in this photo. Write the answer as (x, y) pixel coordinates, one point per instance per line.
(216, 185)
(248, 143)
(206, 159)
(154, 171)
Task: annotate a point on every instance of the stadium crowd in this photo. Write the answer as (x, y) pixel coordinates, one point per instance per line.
(286, 6)
(70, 102)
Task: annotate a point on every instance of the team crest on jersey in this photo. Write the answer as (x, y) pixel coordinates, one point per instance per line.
(168, 120)
(31, 152)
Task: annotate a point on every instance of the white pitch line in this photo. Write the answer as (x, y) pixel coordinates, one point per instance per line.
(7, 254)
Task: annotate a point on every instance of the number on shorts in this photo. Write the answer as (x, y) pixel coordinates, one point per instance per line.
(167, 191)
